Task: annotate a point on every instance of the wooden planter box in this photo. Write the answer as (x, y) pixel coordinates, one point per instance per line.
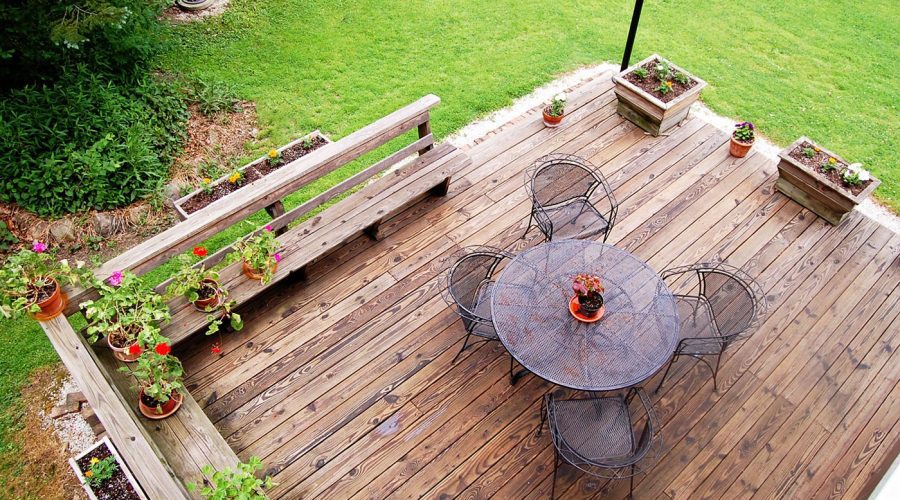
(122, 466)
(815, 192)
(648, 112)
(182, 213)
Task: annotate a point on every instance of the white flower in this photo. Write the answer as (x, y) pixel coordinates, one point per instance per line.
(64, 262)
(856, 168)
(79, 264)
(864, 175)
(560, 97)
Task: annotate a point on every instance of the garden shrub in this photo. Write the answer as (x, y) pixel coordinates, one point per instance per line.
(88, 141)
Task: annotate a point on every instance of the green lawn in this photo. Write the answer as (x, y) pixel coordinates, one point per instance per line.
(822, 69)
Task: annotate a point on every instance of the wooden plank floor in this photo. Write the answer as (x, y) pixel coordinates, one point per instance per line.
(344, 385)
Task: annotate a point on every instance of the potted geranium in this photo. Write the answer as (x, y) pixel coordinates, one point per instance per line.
(822, 181)
(555, 111)
(159, 374)
(240, 482)
(742, 139)
(127, 313)
(655, 94)
(31, 282)
(200, 286)
(588, 299)
(259, 254)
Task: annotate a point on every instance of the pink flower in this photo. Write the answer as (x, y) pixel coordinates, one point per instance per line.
(277, 257)
(579, 288)
(38, 247)
(115, 279)
(269, 227)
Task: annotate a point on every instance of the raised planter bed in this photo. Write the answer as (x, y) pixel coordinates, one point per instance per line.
(121, 486)
(251, 172)
(802, 179)
(654, 111)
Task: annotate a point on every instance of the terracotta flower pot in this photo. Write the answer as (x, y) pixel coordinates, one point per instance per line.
(738, 148)
(550, 120)
(121, 353)
(53, 305)
(590, 306)
(212, 300)
(157, 412)
(253, 273)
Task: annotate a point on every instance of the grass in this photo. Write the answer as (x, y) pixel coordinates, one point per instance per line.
(821, 69)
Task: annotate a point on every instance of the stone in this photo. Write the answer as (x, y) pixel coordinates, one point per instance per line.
(173, 190)
(138, 215)
(63, 231)
(105, 224)
(65, 409)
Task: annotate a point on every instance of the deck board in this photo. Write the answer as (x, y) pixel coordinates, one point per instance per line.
(344, 385)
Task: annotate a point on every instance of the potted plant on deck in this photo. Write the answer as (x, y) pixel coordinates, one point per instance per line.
(159, 375)
(103, 473)
(200, 286)
(259, 254)
(587, 304)
(238, 483)
(655, 94)
(742, 139)
(555, 111)
(128, 314)
(822, 181)
(31, 282)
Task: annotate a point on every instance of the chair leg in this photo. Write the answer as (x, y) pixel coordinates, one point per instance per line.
(555, 470)
(716, 372)
(466, 341)
(530, 218)
(512, 376)
(666, 374)
(540, 430)
(631, 485)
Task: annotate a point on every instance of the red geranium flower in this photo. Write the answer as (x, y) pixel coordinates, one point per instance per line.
(216, 349)
(200, 251)
(134, 349)
(163, 349)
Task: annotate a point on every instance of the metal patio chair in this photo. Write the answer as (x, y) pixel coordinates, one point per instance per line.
(726, 308)
(601, 437)
(570, 198)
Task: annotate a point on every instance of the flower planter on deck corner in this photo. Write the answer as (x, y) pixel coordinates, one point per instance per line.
(121, 463)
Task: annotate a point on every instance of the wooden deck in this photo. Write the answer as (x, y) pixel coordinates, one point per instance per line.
(344, 385)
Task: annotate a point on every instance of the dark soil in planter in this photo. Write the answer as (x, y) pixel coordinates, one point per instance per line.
(292, 153)
(220, 190)
(115, 488)
(590, 304)
(821, 157)
(43, 293)
(147, 400)
(651, 83)
(206, 291)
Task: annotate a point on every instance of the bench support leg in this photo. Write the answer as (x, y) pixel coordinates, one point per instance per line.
(374, 231)
(276, 210)
(442, 188)
(425, 129)
(298, 274)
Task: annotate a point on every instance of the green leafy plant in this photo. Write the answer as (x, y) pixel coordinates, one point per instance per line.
(744, 132)
(128, 310)
(232, 484)
(260, 252)
(830, 164)
(236, 177)
(101, 471)
(682, 78)
(641, 73)
(663, 70)
(158, 372)
(557, 105)
(207, 185)
(664, 87)
(193, 282)
(213, 97)
(217, 317)
(855, 175)
(274, 157)
(809, 152)
(7, 238)
(27, 277)
(209, 169)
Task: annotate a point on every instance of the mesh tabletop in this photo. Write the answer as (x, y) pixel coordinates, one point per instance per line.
(635, 337)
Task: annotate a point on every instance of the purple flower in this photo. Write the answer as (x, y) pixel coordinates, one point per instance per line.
(115, 279)
(269, 227)
(744, 124)
(277, 257)
(38, 247)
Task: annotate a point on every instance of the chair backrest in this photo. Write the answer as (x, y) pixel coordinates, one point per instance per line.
(560, 178)
(468, 273)
(736, 299)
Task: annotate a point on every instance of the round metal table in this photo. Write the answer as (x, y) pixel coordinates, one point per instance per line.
(635, 337)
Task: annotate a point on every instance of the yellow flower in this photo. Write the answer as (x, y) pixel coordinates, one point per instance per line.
(207, 180)
(95, 460)
(832, 160)
(818, 149)
(89, 473)
(273, 153)
(234, 177)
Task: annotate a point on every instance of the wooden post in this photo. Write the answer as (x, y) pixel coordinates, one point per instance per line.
(425, 130)
(276, 210)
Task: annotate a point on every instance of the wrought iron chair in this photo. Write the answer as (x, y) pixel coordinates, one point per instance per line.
(725, 310)
(468, 290)
(601, 437)
(570, 198)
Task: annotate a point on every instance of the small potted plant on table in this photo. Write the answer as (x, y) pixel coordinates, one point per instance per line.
(555, 111)
(587, 304)
(31, 282)
(742, 139)
(259, 255)
(655, 94)
(159, 374)
(127, 313)
(822, 181)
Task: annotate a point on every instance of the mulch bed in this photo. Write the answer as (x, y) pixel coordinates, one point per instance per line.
(651, 83)
(115, 488)
(202, 199)
(821, 157)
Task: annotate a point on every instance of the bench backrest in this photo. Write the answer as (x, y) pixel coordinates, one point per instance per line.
(272, 188)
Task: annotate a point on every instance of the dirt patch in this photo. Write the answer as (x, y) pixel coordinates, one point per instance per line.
(825, 165)
(651, 82)
(40, 469)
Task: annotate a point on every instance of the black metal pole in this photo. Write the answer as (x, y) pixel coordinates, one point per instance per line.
(632, 31)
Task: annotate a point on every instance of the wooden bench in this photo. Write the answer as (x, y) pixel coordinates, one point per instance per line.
(166, 455)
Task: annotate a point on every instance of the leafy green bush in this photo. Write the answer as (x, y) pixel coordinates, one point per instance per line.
(212, 97)
(88, 141)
